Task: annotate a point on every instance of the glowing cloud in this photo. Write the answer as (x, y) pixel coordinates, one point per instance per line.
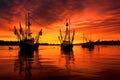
(96, 17)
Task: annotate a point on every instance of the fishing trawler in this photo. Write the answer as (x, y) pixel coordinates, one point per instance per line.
(66, 43)
(26, 41)
(88, 44)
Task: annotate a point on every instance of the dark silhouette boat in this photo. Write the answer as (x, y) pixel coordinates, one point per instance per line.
(87, 44)
(66, 43)
(26, 41)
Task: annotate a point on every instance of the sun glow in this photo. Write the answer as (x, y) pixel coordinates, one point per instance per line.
(88, 17)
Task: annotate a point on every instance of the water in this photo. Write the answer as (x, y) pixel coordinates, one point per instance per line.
(50, 63)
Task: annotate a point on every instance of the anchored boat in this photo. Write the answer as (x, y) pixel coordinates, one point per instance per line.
(66, 41)
(87, 44)
(26, 41)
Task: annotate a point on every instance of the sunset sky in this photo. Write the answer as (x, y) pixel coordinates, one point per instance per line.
(98, 18)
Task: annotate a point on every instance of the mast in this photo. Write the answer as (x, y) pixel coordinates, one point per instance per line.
(67, 32)
(28, 24)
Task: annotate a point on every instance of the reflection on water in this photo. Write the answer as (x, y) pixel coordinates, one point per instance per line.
(69, 58)
(50, 63)
(23, 64)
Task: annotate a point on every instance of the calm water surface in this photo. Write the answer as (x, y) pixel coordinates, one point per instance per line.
(50, 63)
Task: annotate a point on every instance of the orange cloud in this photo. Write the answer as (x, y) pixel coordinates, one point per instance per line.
(101, 19)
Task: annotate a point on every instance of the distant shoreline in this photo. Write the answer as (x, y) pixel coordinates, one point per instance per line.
(16, 43)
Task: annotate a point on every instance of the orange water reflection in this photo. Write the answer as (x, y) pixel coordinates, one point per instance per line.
(49, 62)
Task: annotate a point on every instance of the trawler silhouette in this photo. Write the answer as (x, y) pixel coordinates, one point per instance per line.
(26, 41)
(88, 44)
(66, 43)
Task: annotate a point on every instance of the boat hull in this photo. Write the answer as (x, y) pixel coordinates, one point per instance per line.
(36, 46)
(87, 45)
(66, 47)
(26, 47)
